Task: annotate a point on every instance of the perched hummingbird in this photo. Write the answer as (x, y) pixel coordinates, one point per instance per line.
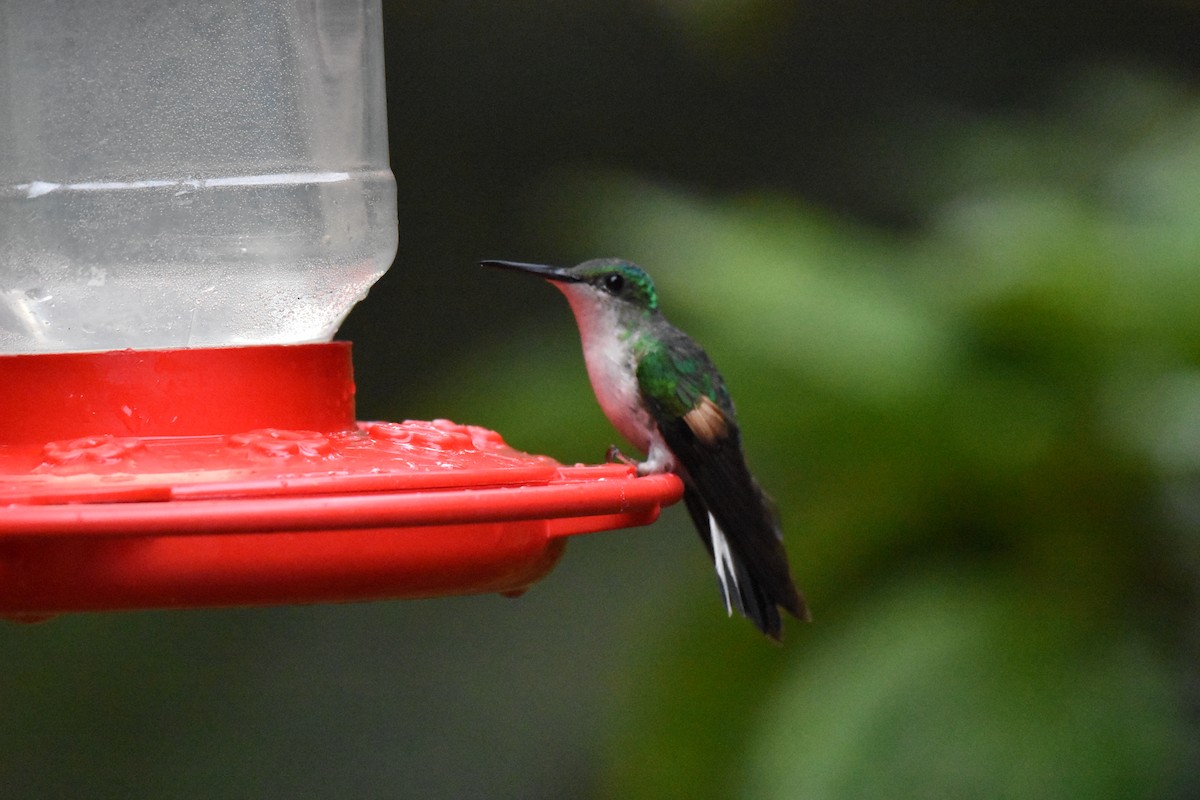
(661, 391)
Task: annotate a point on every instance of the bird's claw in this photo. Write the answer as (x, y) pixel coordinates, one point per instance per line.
(615, 456)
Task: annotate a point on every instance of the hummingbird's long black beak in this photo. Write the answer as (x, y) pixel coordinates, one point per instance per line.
(542, 271)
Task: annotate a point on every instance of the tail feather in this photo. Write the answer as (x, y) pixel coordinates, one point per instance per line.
(744, 582)
(727, 571)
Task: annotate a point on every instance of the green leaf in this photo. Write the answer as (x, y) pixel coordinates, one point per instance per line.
(980, 689)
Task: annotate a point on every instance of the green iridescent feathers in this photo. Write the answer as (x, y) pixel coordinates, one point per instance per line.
(677, 376)
(636, 288)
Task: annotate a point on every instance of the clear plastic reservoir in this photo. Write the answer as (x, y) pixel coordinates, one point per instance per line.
(177, 173)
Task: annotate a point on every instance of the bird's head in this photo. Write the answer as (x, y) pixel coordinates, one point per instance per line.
(598, 288)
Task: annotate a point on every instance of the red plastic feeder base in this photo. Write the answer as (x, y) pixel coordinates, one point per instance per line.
(238, 476)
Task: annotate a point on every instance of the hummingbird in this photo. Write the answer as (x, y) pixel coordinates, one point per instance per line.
(661, 391)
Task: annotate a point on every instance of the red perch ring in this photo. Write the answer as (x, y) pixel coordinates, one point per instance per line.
(235, 476)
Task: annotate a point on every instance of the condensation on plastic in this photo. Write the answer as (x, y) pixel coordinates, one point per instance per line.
(177, 173)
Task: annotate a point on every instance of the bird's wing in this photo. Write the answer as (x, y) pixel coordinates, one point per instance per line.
(692, 408)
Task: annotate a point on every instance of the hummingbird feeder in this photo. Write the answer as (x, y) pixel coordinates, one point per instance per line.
(192, 198)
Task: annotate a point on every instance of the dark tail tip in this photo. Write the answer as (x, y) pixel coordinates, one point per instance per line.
(759, 602)
(798, 606)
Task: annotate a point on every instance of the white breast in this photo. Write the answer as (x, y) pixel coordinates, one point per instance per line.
(613, 373)
(612, 369)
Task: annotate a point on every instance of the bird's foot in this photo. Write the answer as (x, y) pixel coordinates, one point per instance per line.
(615, 456)
(650, 466)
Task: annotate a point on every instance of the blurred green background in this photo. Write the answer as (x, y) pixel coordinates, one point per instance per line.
(948, 258)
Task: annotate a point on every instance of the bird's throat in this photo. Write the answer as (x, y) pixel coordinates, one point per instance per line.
(610, 353)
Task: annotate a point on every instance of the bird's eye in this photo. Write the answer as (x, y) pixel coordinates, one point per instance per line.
(614, 283)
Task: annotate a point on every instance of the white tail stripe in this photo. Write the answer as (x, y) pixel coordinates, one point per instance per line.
(724, 561)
